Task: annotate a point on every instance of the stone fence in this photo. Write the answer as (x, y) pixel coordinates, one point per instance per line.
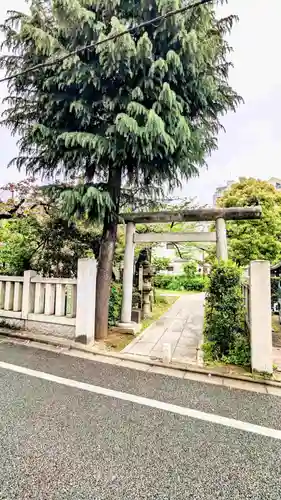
(58, 306)
(257, 299)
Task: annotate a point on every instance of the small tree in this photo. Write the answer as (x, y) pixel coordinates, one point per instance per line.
(258, 239)
(33, 235)
(225, 329)
(20, 238)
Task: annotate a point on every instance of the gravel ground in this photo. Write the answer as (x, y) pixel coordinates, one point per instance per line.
(60, 443)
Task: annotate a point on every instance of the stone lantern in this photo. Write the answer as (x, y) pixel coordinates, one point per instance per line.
(148, 273)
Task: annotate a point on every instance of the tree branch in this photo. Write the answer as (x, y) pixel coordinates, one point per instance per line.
(10, 214)
(178, 250)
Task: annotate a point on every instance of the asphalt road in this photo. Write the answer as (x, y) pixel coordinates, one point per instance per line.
(65, 443)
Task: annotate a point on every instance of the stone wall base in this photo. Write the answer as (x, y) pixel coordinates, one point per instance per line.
(66, 331)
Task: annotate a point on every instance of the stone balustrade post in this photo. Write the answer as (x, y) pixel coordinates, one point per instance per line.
(28, 294)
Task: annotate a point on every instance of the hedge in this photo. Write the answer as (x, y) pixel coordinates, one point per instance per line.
(180, 282)
(225, 331)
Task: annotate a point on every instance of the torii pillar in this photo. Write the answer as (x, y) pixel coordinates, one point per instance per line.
(221, 246)
(128, 276)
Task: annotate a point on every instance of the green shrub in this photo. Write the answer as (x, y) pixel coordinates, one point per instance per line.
(161, 263)
(179, 282)
(190, 269)
(239, 351)
(225, 329)
(115, 303)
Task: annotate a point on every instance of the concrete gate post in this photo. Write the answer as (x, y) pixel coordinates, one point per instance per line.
(222, 253)
(260, 316)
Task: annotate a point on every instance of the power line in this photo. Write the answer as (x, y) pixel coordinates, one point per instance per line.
(108, 39)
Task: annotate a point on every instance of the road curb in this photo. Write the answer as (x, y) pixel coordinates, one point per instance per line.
(71, 344)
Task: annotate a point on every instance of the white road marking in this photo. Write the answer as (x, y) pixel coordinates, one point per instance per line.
(151, 403)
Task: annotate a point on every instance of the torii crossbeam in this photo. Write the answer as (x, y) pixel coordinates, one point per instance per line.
(219, 215)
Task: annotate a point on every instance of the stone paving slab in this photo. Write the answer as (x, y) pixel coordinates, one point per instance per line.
(144, 348)
(153, 337)
(181, 327)
(187, 342)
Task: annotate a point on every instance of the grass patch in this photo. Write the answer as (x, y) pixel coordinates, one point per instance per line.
(177, 293)
(228, 369)
(117, 341)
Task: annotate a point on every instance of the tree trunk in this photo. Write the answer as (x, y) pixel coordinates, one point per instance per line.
(106, 256)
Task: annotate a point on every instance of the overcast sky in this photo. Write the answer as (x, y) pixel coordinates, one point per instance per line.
(251, 145)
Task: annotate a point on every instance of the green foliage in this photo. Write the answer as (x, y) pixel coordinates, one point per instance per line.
(146, 105)
(275, 289)
(190, 269)
(239, 352)
(179, 282)
(51, 247)
(36, 237)
(161, 263)
(62, 243)
(208, 349)
(20, 239)
(83, 199)
(225, 329)
(115, 303)
(254, 239)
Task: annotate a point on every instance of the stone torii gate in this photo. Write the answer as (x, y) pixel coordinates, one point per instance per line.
(219, 215)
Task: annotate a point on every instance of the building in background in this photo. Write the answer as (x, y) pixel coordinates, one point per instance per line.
(176, 266)
(220, 191)
(274, 181)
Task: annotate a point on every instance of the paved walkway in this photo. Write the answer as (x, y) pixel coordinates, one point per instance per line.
(277, 357)
(181, 326)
